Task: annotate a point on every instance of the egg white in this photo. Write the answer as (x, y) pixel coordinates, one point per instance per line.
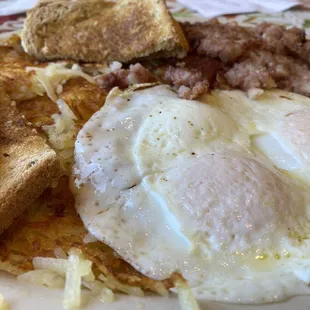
(192, 187)
(277, 124)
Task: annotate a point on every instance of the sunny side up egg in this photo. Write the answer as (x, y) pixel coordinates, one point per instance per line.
(216, 190)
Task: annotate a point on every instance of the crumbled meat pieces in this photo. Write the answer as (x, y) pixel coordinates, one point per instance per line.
(189, 83)
(266, 56)
(112, 79)
(191, 77)
(252, 72)
(226, 42)
(265, 70)
(136, 74)
(279, 40)
(228, 56)
(206, 65)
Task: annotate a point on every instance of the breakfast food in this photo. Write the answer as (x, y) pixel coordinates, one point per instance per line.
(102, 31)
(191, 191)
(28, 165)
(206, 198)
(228, 56)
(17, 82)
(51, 225)
(266, 56)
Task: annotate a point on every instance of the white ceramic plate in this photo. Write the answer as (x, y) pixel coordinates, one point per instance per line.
(23, 296)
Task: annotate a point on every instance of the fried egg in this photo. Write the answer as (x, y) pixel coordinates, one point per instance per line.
(216, 189)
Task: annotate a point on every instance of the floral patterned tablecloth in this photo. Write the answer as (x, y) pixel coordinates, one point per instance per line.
(299, 18)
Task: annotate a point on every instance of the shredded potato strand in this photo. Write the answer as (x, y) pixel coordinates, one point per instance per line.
(55, 264)
(3, 304)
(186, 298)
(94, 286)
(161, 289)
(60, 266)
(56, 74)
(47, 278)
(112, 283)
(106, 295)
(89, 238)
(70, 273)
(72, 294)
(60, 253)
(62, 134)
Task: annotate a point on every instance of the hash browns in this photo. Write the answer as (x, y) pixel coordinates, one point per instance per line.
(52, 222)
(18, 84)
(83, 98)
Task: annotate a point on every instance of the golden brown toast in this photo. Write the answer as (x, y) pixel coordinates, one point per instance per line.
(27, 164)
(101, 31)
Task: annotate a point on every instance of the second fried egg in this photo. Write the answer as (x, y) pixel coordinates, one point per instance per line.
(216, 190)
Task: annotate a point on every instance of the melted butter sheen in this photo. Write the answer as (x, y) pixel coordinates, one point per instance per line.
(175, 186)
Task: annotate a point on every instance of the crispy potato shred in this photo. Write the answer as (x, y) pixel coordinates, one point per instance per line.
(19, 84)
(51, 223)
(51, 226)
(186, 297)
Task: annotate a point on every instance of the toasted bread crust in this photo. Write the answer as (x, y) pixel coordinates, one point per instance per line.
(27, 164)
(102, 31)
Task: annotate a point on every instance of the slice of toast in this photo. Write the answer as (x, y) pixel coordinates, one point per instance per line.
(102, 31)
(27, 164)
